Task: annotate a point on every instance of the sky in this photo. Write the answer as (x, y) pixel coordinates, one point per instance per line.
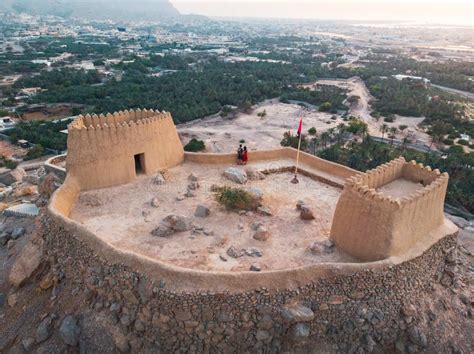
(455, 12)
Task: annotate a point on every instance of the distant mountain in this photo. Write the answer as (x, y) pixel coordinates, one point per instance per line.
(121, 10)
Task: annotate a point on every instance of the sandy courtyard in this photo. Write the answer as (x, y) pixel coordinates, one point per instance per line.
(124, 217)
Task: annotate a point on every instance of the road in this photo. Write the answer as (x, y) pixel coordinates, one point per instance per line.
(455, 91)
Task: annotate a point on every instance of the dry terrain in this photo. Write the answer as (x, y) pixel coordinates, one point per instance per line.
(287, 246)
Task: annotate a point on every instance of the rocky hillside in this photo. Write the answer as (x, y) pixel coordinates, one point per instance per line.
(46, 309)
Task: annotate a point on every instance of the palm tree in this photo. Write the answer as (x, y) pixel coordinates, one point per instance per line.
(383, 129)
(393, 131)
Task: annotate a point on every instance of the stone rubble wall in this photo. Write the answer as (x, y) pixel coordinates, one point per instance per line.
(347, 311)
(101, 148)
(371, 225)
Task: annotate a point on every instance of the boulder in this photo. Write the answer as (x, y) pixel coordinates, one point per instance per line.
(48, 184)
(306, 213)
(159, 179)
(297, 313)
(264, 211)
(45, 329)
(70, 331)
(254, 174)
(26, 263)
(256, 193)
(193, 186)
(319, 248)
(234, 252)
(253, 252)
(171, 224)
(255, 267)
(235, 174)
(299, 331)
(192, 177)
(12, 176)
(202, 211)
(18, 232)
(299, 204)
(155, 203)
(261, 234)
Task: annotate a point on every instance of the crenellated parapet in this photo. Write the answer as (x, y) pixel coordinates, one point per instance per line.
(371, 224)
(102, 148)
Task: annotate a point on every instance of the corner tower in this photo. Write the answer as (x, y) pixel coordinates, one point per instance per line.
(112, 149)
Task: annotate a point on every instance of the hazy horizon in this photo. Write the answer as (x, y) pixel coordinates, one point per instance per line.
(458, 12)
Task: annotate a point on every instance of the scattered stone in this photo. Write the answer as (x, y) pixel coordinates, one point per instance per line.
(255, 267)
(261, 234)
(48, 184)
(155, 203)
(240, 226)
(263, 335)
(12, 176)
(192, 177)
(208, 232)
(253, 252)
(234, 252)
(299, 331)
(70, 331)
(417, 336)
(297, 313)
(264, 211)
(172, 224)
(4, 238)
(236, 175)
(159, 179)
(45, 329)
(12, 299)
(18, 232)
(324, 247)
(180, 198)
(306, 213)
(26, 263)
(223, 258)
(257, 193)
(202, 211)
(214, 188)
(254, 174)
(299, 204)
(47, 281)
(189, 194)
(193, 186)
(27, 343)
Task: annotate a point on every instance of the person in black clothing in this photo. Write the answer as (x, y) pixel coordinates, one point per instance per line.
(240, 152)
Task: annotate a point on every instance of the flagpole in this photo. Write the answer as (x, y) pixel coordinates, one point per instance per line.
(295, 179)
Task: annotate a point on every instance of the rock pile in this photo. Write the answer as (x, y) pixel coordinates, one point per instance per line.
(172, 224)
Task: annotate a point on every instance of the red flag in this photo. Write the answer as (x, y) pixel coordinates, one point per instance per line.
(300, 126)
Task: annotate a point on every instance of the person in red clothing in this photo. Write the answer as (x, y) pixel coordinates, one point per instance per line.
(245, 156)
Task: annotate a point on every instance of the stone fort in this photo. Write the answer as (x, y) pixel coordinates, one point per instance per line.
(385, 232)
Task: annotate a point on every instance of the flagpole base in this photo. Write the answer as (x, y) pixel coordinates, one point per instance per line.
(295, 180)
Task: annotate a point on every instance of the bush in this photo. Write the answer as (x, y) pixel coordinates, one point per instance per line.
(292, 141)
(236, 199)
(402, 127)
(456, 149)
(312, 131)
(390, 118)
(448, 142)
(195, 145)
(35, 152)
(326, 106)
(242, 141)
(463, 142)
(453, 136)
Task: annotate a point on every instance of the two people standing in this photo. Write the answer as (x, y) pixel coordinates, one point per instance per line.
(242, 155)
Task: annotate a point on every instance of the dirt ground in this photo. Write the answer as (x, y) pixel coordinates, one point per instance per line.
(223, 134)
(286, 248)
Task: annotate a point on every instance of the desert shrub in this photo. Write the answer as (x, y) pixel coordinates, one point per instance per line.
(194, 145)
(292, 140)
(312, 131)
(326, 106)
(242, 141)
(236, 199)
(5, 162)
(454, 136)
(448, 142)
(35, 152)
(390, 118)
(402, 126)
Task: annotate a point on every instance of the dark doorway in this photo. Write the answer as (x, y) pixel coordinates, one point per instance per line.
(139, 163)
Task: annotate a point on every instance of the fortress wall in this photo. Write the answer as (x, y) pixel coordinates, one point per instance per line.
(274, 154)
(101, 149)
(243, 311)
(370, 225)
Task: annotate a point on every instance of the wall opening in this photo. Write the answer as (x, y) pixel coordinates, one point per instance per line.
(139, 164)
